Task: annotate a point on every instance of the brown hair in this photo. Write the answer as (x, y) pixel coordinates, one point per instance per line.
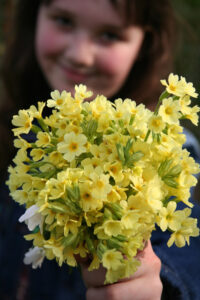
(24, 82)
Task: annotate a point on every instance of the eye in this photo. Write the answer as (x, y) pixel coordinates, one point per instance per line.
(63, 21)
(110, 37)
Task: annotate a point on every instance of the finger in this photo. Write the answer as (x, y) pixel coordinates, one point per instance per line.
(84, 261)
(137, 289)
(150, 263)
(93, 278)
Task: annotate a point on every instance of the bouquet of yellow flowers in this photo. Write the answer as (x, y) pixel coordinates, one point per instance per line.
(96, 177)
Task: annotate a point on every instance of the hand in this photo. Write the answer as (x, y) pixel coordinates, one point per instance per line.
(145, 284)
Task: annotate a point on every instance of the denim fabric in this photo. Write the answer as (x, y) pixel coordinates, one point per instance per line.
(180, 271)
(20, 282)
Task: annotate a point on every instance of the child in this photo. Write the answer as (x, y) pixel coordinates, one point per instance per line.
(119, 49)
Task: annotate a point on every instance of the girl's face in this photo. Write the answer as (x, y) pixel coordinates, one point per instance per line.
(85, 41)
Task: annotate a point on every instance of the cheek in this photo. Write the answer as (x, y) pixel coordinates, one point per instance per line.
(48, 41)
(117, 61)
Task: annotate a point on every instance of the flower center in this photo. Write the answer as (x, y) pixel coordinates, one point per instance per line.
(87, 197)
(172, 87)
(100, 184)
(59, 101)
(27, 124)
(73, 146)
(168, 110)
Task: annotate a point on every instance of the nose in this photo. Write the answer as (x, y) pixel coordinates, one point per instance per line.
(80, 51)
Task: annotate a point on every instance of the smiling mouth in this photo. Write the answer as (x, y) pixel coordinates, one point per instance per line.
(75, 75)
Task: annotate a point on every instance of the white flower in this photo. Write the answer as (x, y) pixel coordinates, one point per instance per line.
(34, 256)
(32, 218)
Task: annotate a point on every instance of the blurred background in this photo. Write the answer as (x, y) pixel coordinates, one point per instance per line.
(187, 58)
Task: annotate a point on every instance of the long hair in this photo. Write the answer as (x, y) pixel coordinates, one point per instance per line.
(24, 82)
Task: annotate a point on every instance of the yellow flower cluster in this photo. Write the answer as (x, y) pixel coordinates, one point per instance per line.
(96, 177)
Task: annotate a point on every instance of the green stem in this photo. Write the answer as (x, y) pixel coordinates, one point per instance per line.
(162, 96)
(147, 135)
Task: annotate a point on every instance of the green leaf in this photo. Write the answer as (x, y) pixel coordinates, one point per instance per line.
(89, 243)
(135, 157)
(164, 167)
(128, 147)
(70, 240)
(164, 95)
(175, 171)
(58, 207)
(170, 182)
(120, 152)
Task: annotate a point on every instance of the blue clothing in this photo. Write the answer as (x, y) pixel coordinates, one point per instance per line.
(180, 272)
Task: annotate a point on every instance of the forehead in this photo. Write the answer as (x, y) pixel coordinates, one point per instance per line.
(91, 11)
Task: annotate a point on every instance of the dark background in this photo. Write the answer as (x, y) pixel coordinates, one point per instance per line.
(187, 58)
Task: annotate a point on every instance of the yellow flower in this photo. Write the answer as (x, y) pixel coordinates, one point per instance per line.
(112, 259)
(184, 104)
(56, 188)
(71, 225)
(100, 186)
(169, 111)
(131, 266)
(82, 251)
(69, 256)
(156, 124)
(182, 236)
(55, 158)
(52, 119)
(112, 227)
(90, 218)
(81, 92)
(115, 170)
(188, 229)
(113, 196)
(72, 146)
(56, 249)
(92, 165)
(95, 150)
(153, 193)
(37, 154)
(175, 131)
(134, 243)
(37, 112)
(192, 114)
(131, 106)
(43, 139)
(58, 99)
(188, 88)
(168, 217)
(189, 112)
(61, 126)
(188, 163)
(103, 122)
(138, 181)
(21, 143)
(94, 264)
(122, 111)
(141, 115)
(87, 201)
(37, 238)
(130, 220)
(174, 85)
(23, 121)
(20, 196)
(114, 275)
(186, 180)
(20, 157)
(99, 105)
(103, 196)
